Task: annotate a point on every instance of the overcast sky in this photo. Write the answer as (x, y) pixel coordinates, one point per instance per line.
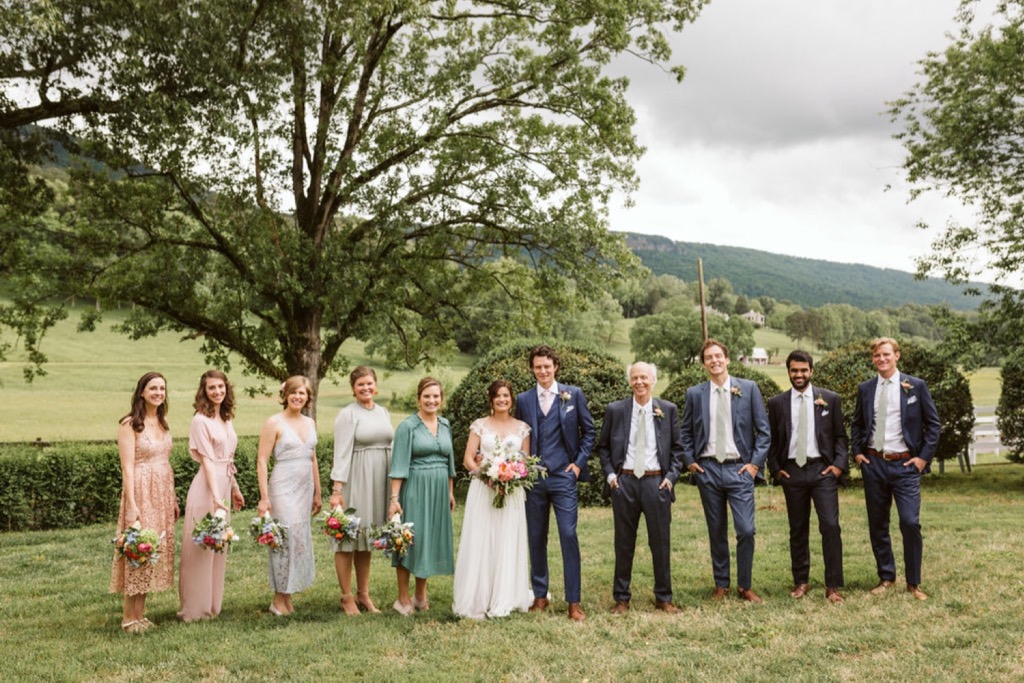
(778, 139)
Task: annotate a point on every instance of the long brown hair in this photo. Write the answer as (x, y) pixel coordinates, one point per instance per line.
(137, 415)
(203, 405)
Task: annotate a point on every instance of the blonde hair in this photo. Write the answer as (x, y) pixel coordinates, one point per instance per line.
(885, 340)
(292, 384)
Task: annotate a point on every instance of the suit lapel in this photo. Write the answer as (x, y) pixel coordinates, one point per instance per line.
(658, 438)
(705, 422)
(787, 417)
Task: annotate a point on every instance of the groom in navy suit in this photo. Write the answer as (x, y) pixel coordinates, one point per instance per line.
(894, 436)
(725, 443)
(561, 435)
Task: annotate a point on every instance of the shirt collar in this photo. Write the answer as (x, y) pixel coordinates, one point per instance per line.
(554, 389)
(808, 392)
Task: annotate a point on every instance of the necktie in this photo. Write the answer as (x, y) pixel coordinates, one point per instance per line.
(640, 449)
(880, 417)
(801, 433)
(546, 399)
(720, 420)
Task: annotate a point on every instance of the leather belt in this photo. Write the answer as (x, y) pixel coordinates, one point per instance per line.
(648, 473)
(905, 455)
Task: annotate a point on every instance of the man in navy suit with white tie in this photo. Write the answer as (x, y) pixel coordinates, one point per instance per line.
(725, 443)
(894, 436)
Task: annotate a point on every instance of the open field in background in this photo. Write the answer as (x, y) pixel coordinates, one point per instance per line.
(91, 376)
(58, 623)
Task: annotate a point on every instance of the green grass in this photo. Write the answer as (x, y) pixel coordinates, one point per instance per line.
(58, 623)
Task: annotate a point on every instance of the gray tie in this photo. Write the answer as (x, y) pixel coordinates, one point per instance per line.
(801, 433)
(880, 417)
(720, 419)
(640, 449)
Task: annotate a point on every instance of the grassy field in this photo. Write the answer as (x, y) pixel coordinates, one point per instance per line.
(58, 623)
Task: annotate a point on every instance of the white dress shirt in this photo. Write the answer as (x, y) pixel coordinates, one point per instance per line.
(893, 422)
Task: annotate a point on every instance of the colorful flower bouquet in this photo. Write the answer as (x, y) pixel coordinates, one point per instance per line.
(394, 538)
(139, 547)
(506, 470)
(214, 532)
(266, 531)
(342, 525)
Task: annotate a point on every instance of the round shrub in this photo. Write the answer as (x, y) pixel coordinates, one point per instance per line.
(602, 378)
(1010, 411)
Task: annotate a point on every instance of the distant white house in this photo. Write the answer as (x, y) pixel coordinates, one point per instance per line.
(758, 356)
(757, 319)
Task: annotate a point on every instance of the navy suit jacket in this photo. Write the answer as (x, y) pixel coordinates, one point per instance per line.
(578, 431)
(829, 433)
(750, 428)
(614, 439)
(918, 417)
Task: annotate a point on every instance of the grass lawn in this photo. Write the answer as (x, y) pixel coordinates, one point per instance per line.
(58, 623)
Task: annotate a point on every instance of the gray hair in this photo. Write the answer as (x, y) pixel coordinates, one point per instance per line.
(652, 366)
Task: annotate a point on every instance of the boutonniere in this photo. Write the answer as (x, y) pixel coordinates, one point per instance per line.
(737, 392)
(658, 413)
(906, 386)
(565, 396)
(819, 401)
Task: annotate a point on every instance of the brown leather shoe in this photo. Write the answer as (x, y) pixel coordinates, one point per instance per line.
(539, 605)
(621, 607)
(666, 607)
(882, 586)
(916, 592)
(719, 593)
(800, 590)
(749, 595)
(833, 596)
(576, 612)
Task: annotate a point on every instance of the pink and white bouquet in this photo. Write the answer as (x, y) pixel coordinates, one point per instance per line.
(139, 547)
(341, 525)
(506, 469)
(214, 532)
(394, 537)
(265, 530)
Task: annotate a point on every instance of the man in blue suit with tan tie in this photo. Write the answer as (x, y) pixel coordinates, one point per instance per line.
(894, 436)
(725, 442)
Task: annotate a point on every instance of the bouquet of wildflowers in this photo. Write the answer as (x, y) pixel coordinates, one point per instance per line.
(139, 547)
(214, 532)
(341, 525)
(394, 538)
(266, 531)
(506, 469)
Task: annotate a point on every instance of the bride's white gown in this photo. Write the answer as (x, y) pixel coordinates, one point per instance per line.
(492, 577)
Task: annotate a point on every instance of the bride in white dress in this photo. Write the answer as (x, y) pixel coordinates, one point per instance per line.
(492, 577)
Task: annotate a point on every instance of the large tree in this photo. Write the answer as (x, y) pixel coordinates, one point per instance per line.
(344, 169)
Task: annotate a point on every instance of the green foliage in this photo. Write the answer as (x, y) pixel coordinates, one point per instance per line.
(1010, 411)
(672, 340)
(601, 377)
(843, 369)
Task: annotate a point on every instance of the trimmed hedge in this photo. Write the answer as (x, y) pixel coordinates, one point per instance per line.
(77, 483)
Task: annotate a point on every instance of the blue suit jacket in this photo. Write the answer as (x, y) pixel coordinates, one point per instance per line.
(918, 416)
(578, 432)
(750, 428)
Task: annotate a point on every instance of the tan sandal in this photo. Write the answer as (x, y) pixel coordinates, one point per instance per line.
(366, 604)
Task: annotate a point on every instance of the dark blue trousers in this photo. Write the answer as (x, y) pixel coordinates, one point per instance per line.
(557, 491)
(886, 481)
(721, 485)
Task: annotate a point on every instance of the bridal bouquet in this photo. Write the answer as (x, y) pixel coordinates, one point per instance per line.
(214, 532)
(138, 546)
(266, 531)
(394, 538)
(506, 469)
(341, 524)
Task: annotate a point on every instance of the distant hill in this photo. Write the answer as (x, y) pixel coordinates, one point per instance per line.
(807, 282)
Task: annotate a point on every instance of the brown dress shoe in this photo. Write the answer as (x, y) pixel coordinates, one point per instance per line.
(666, 607)
(719, 593)
(916, 592)
(749, 595)
(833, 596)
(882, 586)
(800, 590)
(539, 605)
(621, 607)
(576, 612)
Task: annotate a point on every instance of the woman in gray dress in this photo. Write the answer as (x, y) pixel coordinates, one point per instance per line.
(362, 456)
(292, 494)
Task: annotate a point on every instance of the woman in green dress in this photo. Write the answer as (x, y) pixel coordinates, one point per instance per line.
(422, 492)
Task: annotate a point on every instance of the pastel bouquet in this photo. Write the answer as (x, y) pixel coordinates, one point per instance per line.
(341, 525)
(139, 547)
(214, 532)
(394, 537)
(265, 530)
(506, 469)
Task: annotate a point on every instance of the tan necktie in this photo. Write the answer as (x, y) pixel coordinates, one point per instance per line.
(640, 449)
(720, 415)
(880, 417)
(801, 433)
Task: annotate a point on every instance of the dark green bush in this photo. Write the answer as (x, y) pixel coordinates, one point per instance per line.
(1010, 411)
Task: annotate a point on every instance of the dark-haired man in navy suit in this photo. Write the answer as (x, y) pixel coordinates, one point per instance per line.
(895, 434)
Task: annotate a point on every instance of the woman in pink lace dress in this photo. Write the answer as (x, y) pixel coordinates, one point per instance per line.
(147, 497)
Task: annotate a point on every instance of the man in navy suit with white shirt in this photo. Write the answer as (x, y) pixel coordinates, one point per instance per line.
(894, 437)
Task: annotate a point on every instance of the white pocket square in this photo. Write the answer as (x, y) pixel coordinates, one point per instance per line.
(569, 409)
(912, 399)
(824, 413)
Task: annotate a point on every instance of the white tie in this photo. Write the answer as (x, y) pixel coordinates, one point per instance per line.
(640, 449)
